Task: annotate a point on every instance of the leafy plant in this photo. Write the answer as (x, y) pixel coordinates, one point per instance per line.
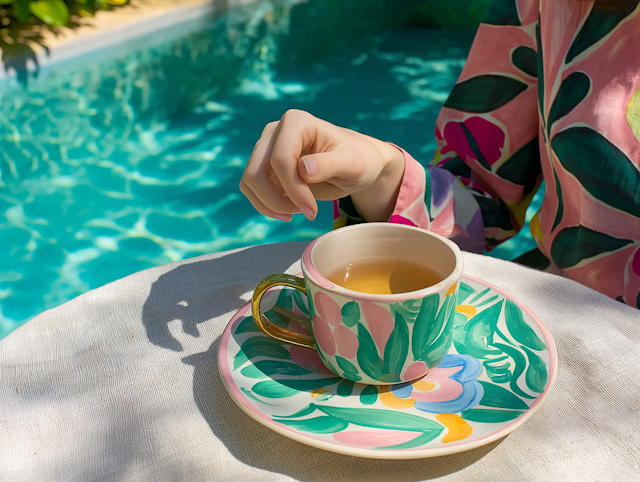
(53, 12)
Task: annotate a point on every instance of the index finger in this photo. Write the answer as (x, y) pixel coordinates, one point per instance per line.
(258, 176)
(297, 135)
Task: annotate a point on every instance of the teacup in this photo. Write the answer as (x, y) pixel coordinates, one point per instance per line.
(376, 339)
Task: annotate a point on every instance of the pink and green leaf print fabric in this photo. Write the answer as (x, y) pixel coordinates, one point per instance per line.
(551, 90)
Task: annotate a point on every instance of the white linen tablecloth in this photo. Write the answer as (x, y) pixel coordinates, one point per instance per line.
(122, 384)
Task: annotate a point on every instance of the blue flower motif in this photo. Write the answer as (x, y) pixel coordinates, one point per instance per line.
(451, 387)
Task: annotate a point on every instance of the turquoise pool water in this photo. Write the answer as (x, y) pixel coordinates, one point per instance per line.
(131, 157)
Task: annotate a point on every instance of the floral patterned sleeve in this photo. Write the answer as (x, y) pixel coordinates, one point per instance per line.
(486, 169)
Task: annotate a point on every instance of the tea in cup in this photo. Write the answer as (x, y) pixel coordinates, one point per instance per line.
(382, 301)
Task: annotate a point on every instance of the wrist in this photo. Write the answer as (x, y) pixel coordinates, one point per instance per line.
(376, 203)
(395, 164)
(393, 159)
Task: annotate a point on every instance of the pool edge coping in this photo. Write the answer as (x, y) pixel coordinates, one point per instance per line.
(49, 56)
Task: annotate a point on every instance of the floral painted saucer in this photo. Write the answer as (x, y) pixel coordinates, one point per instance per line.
(500, 369)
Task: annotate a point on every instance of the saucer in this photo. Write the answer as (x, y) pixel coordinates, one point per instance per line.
(500, 369)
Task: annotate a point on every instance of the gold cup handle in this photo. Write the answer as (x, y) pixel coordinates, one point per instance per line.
(271, 330)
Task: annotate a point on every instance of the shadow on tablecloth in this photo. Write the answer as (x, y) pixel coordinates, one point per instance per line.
(205, 289)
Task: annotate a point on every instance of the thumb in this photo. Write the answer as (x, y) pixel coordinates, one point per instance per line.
(338, 163)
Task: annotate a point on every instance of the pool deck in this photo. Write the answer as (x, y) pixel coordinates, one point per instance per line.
(107, 28)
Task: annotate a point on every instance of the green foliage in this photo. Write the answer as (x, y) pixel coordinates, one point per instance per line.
(605, 172)
(388, 367)
(350, 313)
(576, 243)
(572, 91)
(345, 387)
(490, 416)
(317, 425)
(519, 329)
(464, 292)
(369, 395)
(523, 167)
(439, 341)
(259, 346)
(520, 364)
(268, 368)
(299, 301)
(368, 358)
(504, 362)
(598, 25)
(484, 93)
(423, 325)
(397, 348)
(290, 387)
(350, 371)
(499, 397)
(560, 210)
(382, 419)
(537, 373)
(476, 336)
(53, 12)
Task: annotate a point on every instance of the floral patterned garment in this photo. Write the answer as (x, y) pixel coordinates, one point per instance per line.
(551, 90)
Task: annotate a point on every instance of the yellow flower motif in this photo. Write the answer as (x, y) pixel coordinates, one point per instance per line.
(391, 401)
(633, 114)
(519, 209)
(424, 385)
(452, 289)
(536, 231)
(322, 394)
(467, 310)
(436, 158)
(339, 223)
(458, 428)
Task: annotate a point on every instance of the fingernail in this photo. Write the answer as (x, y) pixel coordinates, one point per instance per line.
(283, 217)
(306, 210)
(310, 166)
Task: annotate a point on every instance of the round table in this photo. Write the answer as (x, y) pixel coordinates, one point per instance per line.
(122, 383)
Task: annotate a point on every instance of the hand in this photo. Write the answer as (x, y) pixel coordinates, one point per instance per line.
(300, 159)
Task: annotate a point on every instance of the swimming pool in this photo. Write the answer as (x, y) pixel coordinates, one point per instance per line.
(130, 158)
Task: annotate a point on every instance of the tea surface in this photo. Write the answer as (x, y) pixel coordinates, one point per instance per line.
(384, 276)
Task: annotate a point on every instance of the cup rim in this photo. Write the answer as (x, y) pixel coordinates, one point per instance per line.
(323, 283)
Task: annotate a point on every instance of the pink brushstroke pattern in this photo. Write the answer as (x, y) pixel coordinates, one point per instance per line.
(448, 390)
(379, 321)
(415, 370)
(374, 438)
(346, 341)
(309, 359)
(323, 336)
(397, 219)
(327, 308)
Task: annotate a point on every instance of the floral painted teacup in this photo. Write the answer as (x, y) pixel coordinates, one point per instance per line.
(376, 339)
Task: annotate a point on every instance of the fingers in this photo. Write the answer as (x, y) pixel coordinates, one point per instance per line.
(297, 133)
(342, 163)
(278, 182)
(259, 205)
(257, 183)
